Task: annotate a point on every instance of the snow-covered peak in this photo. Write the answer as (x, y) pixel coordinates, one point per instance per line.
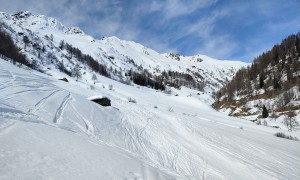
(112, 39)
(114, 53)
(211, 61)
(22, 14)
(38, 22)
(75, 30)
(115, 41)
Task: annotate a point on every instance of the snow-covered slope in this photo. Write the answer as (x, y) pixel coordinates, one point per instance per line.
(49, 129)
(33, 150)
(117, 55)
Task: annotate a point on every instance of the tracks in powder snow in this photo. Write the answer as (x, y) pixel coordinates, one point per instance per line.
(6, 74)
(222, 144)
(44, 95)
(5, 125)
(42, 101)
(59, 113)
(89, 127)
(9, 119)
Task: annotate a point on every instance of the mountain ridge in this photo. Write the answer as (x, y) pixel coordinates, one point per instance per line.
(115, 54)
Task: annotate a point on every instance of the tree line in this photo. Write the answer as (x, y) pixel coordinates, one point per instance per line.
(84, 58)
(171, 78)
(9, 49)
(268, 70)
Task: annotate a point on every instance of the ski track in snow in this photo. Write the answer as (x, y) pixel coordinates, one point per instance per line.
(10, 118)
(221, 146)
(24, 92)
(38, 105)
(91, 116)
(7, 83)
(135, 135)
(6, 125)
(59, 113)
(89, 128)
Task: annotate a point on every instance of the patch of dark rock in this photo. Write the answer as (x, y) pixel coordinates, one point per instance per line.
(102, 101)
(64, 79)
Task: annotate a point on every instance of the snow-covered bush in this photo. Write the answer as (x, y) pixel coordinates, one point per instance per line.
(76, 72)
(94, 78)
(168, 90)
(265, 123)
(290, 121)
(258, 122)
(110, 87)
(282, 135)
(131, 100)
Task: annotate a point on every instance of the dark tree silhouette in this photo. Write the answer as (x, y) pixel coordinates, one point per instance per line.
(76, 72)
(10, 50)
(26, 41)
(265, 113)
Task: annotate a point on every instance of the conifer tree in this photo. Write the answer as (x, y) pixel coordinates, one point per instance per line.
(94, 78)
(265, 113)
(261, 81)
(76, 72)
(26, 41)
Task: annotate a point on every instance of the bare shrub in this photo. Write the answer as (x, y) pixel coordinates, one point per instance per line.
(265, 123)
(110, 87)
(282, 135)
(168, 90)
(131, 100)
(290, 121)
(273, 115)
(258, 122)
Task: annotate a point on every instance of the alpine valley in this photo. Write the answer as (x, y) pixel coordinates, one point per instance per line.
(76, 107)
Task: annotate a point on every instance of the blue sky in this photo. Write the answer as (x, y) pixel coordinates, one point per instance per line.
(223, 29)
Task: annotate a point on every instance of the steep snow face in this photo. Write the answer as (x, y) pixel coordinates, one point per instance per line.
(37, 23)
(49, 129)
(112, 52)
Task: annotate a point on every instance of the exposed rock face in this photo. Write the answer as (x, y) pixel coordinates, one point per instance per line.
(102, 101)
(64, 79)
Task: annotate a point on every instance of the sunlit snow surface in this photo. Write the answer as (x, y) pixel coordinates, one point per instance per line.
(50, 130)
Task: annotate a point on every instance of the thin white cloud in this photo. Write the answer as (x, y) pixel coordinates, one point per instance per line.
(204, 26)
(159, 44)
(219, 46)
(175, 8)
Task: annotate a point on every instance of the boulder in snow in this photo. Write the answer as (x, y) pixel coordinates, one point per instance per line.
(64, 79)
(102, 101)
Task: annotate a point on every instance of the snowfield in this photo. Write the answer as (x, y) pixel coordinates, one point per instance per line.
(49, 129)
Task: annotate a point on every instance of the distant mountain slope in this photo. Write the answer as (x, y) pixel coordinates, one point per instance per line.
(43, 39)
(270, 84)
